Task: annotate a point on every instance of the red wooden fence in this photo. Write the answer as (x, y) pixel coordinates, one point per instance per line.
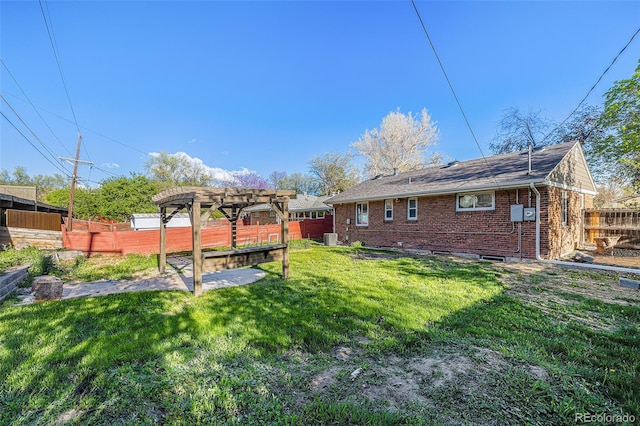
(93, 239)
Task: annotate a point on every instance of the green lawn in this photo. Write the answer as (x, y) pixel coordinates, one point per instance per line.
(437, 341)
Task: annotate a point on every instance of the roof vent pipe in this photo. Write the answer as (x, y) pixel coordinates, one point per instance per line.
(530, 150)
(395, 171)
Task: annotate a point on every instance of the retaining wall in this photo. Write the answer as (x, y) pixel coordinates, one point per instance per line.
(9, 281)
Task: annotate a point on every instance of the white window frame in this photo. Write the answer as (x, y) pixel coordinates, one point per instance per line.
(388, 208)
(321, 214)
(564, 208)
(472, 207)
(410, 209)
(366, 215)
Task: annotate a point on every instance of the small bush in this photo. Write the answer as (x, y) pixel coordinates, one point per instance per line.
(10, 257)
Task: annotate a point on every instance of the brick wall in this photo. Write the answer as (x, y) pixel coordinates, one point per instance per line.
(441, 228)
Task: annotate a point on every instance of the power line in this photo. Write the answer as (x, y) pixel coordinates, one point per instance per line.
(464, 115)
(594, 85)
(51, 153)
(64, 171)
(34, 107)
(87, 128)
(55, 54)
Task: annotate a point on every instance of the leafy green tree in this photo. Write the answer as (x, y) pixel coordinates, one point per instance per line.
(302, 184)
(333, 172)
(120, 197)
(84, 201)
(43, 183)
(621, 121)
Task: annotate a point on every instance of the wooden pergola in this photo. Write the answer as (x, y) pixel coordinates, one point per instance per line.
(230, 202)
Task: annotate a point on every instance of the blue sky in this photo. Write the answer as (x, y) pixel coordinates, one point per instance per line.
(268, 85)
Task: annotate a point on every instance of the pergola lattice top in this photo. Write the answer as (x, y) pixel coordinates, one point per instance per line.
(225, 197)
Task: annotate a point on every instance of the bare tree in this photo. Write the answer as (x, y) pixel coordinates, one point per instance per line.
(333, 172)
(400, 144)
(517, 130)
(276, 179)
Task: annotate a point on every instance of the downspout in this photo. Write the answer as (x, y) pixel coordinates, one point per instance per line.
(564, 263)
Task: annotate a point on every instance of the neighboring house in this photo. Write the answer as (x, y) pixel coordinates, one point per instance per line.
(25, 221)
(303, 207)
(629, 202)
(484, 207)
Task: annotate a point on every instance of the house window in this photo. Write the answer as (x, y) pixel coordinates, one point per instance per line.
(476, 201)
(272, 213)
(320, 215)
(412, 209)
(564, 208)
(362, 214)
(388, 209)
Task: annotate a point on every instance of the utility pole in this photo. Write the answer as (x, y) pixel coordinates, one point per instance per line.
(74, 180)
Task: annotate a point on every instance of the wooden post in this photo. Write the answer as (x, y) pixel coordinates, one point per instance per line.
(284, 225)
(234, 228)
(162, 261)
(72, 191)
(197, 249)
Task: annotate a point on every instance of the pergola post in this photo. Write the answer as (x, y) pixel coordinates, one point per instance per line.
(234, 228)
(162, 260)
(284, 226)
(197, 249)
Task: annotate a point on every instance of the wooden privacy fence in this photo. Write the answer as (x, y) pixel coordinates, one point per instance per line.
(34, 220)
(623, 223)
(120, 239)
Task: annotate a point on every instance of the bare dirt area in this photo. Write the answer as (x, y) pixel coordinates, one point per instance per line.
(536, 282)
(427, 384)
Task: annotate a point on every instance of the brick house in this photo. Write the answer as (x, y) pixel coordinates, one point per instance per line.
(485, 207)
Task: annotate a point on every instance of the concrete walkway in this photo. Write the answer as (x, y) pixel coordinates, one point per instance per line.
(179, 279)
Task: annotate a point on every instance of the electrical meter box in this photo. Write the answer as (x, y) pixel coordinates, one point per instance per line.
(517, 213)
(530, 213)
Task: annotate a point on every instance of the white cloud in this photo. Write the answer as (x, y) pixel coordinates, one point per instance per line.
(217, 174)
(110, 165)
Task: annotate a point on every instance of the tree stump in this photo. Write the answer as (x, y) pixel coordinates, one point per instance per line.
(605, 245)
(46, 287)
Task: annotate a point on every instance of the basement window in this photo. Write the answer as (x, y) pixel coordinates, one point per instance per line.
(473, 201)
(362, 214)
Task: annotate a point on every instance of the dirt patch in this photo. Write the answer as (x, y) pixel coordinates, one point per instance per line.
(539, 282)
(395, 381)
(69, 416)
(324, 380)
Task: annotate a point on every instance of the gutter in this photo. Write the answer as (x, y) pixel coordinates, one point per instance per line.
(448, 191)
(511, 184)
(572, 264)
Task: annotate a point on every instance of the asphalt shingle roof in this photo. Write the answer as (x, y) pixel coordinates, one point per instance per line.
(473, 175)
(302, 202)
